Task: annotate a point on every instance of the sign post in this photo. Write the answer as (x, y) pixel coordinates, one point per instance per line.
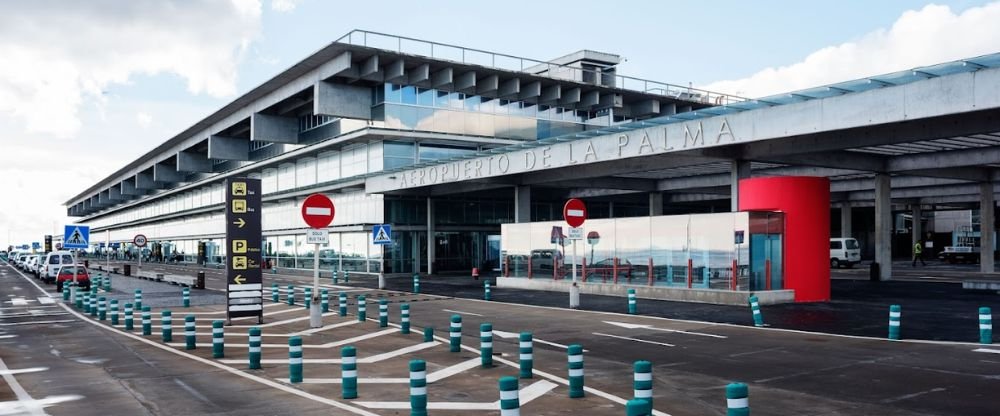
(575, 213)
(75, 237)
(140, 241)
(382, 236)
(317, 212)
(244, 283)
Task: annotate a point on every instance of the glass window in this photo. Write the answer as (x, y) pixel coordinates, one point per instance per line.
(409, 94)
(852, 244)
(441, 99)
(835, 245)
(472, 103)
(398, 154)
(425, 97)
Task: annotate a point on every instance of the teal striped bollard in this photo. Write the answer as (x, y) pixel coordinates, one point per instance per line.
(107, 283)
(102, 308)
(510, 404)
(526, 355)
(642, 381)
(166, 328)
(129, 317)
(295, 359)
(218, 339)
(895, 313)
(455, 333)
(638, 407)
(429, 334)
(631, 302)
(275, 293)
(362, 308)
(114, 312)
(418, 388)
(65, 291)
(342, 304)
(82, 302)
(486, 290)
(138, 299)
(290, 295)
(324, 300)
(349, 372)
(97, 282)
(575, 364)
(147, 321)
(486, 344)
(333, 275)
(254, 344)
(186, 297)
(985, 326)
(93, 304)
(383, 313)
(758, 319)
(737, 400)
(404, 319)
(347, 277)
(189, 333)
(307, 297)
(416, 283)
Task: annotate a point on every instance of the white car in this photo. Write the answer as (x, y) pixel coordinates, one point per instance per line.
(21, 260)
(844, 252)
(53, 262)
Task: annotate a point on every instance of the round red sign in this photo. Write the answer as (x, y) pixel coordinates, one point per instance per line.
(575, 212)
(593, 237)
(317, 211)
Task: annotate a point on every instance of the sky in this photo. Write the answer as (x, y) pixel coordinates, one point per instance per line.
(88, 86)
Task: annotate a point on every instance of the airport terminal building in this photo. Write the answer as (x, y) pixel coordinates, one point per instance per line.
(457, 148)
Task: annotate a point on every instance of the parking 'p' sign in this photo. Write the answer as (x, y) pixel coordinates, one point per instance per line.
(575, 212)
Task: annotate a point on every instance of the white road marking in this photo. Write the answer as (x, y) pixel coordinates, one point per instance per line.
(7, 336)
(46, 301)
(452, 370)
(32, 406)
(24, 399)
(37, 322)
(366, 360)
(387, 355)
(431, 378)
(633, 339)
(991, 351)
(505, 335)
(23, 370)
(25, 315)
(525, 396)
(324, 328)
(460, 312)
(678, 331)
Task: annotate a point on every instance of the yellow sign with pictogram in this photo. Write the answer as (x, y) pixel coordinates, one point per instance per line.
(239, 206)
(239, 188)
(239, 262)
(239, 246)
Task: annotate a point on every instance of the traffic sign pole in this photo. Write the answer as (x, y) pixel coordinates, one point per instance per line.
(575, 213)
(317, 212)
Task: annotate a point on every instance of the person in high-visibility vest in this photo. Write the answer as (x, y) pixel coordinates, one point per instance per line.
(918, 253)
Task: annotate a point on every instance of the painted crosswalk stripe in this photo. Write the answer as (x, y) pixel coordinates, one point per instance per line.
(527, 394)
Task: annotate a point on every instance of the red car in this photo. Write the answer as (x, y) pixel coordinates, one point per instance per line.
(66, 273)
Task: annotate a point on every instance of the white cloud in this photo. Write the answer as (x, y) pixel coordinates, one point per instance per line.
(143, 119)
(284, 6)
(931, 35)
(61, 55)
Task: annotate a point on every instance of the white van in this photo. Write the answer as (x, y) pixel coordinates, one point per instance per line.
(53, 262)
(844, 252)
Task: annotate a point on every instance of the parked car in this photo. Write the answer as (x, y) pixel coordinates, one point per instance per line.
(53, 262)
(22, 262)
(36, 265)
(66, 274)
(605, 269)
(844, 252)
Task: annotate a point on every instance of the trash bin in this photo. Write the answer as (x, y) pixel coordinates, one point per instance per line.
(201, 281)
(874, 272)
(127, 269)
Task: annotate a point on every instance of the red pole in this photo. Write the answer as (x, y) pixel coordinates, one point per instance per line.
(690, 273)
(767, 274)
(650, 271)
(736, 272)
(506, 269)
(583, 270)
(614, 270)
(529, 267)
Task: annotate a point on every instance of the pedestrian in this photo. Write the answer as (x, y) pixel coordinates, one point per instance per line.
(918, 253)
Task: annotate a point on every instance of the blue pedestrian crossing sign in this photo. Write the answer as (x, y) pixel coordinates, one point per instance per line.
(382, 234)
(36, 245)
(76, 236)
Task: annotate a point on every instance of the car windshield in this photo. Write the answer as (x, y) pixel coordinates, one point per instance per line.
(72, 270)
(852, 244)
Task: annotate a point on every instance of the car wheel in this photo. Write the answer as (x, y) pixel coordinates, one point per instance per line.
(834, 264)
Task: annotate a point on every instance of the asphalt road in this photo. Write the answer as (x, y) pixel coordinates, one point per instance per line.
(788, 372)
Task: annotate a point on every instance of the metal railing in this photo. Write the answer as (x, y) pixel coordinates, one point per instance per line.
(469, 56)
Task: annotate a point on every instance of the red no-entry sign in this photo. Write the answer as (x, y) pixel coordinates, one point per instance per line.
(317, 211)
(575, 212)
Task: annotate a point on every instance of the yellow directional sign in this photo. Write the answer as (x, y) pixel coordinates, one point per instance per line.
(239, 222)
(239, 246)
(239, 189)
(239, 206)
(239, 262)
(239, 279)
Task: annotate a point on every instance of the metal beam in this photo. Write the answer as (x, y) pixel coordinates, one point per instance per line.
(274, 129)
(509, 88)
(488, 85)
(224, 148)
(395, 71)
(193, 162)
(832, 159)
(443, 78)
(342, 100)
(861, 184)
(979, 156)
(633, 184)
(466, 82)
(128, 188)
(167, 173)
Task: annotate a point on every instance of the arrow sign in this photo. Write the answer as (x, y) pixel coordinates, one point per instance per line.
(239, 279)
(650, 327)
(239, 222)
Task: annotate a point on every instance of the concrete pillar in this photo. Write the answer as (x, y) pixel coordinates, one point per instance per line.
(611, 209)
(522, 204)
(986, 212)
(883, 225)
(917, 212)
(430, 236)
(740, 170)
(845, 220)
(655, 204)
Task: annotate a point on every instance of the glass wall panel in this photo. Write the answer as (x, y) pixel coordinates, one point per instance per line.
(305, 172)
(328, 167)
(633, 250)
(355, 251)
